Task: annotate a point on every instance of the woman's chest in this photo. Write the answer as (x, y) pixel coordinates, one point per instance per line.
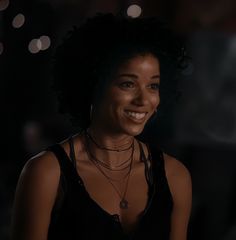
(124, 195)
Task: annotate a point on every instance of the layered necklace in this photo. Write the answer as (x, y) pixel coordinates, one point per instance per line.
(127, 164)
(108, 149)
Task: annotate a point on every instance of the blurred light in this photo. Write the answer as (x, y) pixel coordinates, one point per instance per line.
(18, 20)
(3, 4)
(34, 45)
(1, 48)
(32, 137)
(45, 42)
(134, 11)
(39, 44)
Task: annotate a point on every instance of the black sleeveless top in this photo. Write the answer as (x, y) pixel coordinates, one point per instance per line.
(78, 216)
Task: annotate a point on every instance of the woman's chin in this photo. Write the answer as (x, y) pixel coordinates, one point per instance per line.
(134, 131)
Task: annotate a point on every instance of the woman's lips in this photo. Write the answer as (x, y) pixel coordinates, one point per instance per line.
(136, 116)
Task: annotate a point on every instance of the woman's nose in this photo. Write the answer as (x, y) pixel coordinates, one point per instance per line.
(141, 97)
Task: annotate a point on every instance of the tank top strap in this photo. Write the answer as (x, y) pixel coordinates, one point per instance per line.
(66, 165)
(157, 162)
(68, 175)
(147, 164)
(156, 154)
(159, 174)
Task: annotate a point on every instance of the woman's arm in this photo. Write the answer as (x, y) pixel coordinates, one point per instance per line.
(180, 184)
(34, 198)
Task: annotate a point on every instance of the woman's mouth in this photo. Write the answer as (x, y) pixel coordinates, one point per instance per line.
(137, 116)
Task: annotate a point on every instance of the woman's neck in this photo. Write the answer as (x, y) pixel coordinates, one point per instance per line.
(113, 149)
(110, 140)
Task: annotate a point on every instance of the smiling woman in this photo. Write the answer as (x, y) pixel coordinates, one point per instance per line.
(103, 182)
(131, 98)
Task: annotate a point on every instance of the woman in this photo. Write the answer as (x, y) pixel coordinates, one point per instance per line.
(102, 182)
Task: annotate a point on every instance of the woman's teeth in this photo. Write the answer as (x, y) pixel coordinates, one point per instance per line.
(136, 115)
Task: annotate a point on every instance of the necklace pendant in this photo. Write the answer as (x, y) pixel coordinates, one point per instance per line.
(124, 204)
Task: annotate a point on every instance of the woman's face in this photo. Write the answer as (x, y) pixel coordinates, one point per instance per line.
(131, 97)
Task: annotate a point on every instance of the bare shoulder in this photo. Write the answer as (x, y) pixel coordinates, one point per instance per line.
(175, 168)
(179, 179)
(180, 184)
(43, 164)
(39, 176)
(35, 196)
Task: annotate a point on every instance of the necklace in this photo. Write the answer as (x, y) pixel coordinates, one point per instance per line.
(121, 167)
(100, 163)
(105, 148)
(123, 202)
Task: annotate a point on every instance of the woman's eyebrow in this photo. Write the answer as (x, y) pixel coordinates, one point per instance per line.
(135, 76)
(156, 76)
(128, 75)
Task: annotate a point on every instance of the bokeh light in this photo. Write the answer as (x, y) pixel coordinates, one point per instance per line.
(3, 4)
(18, 21)
(134, 11)
(1, 48)
(39, 44)
(45, 42)
(35, 45)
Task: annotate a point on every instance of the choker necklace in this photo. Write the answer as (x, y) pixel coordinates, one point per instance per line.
(123, 202)
(120, 167)
(105, 148)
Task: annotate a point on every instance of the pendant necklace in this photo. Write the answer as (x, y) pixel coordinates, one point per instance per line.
(123, 202)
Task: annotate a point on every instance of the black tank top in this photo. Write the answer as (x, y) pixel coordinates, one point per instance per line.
(77, 216)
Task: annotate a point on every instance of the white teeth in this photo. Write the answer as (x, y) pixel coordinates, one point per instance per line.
(136, 115)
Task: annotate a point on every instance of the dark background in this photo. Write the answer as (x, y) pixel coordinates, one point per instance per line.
(199, 128)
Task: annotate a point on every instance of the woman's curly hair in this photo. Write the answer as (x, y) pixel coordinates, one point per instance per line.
(91, 53)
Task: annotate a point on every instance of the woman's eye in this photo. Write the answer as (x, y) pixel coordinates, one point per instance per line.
(154, 86)
(127, 84)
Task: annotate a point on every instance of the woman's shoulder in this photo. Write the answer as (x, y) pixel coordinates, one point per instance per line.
(177, 174)
(35, 194)
(46, 160)
(41, 173)
(43, 165)
(179, 179)
(174, 167)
